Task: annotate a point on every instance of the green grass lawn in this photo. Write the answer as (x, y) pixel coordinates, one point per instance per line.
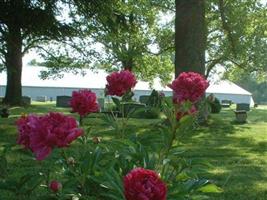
(238, 152)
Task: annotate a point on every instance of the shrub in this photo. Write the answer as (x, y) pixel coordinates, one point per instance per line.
(215, 106)
(154, 100)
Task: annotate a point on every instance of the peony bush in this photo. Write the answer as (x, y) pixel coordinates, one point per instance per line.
(188, 88)
(131, 167)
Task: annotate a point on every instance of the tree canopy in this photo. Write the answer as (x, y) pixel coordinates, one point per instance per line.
(70, 35)
(237, 35)
(25, 25)
(128, 32)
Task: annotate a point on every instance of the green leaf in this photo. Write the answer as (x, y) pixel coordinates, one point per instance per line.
(3, 166)
(116, 101)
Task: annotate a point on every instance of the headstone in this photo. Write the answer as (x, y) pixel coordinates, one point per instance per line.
(63, 101)
(26, 100)
(41, 98)
(226, 103)
(101, 102)
(144, 99)
(242, 106)
(241, 116)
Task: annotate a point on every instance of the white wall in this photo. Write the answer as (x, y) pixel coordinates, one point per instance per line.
(53, 92)
(50, 92)
(236, 98)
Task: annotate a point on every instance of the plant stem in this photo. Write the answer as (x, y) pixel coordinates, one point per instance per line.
(81, 120)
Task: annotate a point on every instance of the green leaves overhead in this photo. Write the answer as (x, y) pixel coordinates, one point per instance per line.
(128, 31)
(237, 34)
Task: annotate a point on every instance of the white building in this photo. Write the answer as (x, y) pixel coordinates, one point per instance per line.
(226, 90)
(33, 86)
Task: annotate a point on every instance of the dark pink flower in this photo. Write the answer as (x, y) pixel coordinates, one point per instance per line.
(143, 184)
(84, 102)
(43, 133)
(120, 82)
(188, 86)
(24, 129)
(55, 186)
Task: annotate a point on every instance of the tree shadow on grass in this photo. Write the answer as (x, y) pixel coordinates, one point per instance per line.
(238, 156)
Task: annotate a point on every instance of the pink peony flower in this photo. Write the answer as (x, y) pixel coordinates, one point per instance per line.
(41, 134)
(120, 82)
(143, 184)
(55, 186)
(189, 86)
(181, 114)
(24, 130)
(84, 102)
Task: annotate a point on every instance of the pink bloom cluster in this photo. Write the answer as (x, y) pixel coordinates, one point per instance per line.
(143, 184)
(120, 82)
(188, 86)
(84, 102)
(41, 134)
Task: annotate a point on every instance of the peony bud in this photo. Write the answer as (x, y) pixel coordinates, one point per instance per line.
(55, 186)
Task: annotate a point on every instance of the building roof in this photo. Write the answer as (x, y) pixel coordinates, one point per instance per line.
(226, 87)
(30, 77)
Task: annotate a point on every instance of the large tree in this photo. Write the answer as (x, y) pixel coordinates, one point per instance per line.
(190, 36)
(128, 32)
(24, 25)
(235, 30)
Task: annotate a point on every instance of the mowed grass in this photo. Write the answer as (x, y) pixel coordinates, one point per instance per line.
(238, 152)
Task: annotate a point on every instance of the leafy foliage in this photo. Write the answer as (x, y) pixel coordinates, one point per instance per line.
(95, 170)
(126, 31)
(237, 34)
(215, 105)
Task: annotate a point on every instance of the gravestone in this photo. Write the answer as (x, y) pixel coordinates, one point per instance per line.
(63, 101)
(242, 106)
(241, 116)
(226, 103)
(26, 100)
(144, 99)
(41, 98)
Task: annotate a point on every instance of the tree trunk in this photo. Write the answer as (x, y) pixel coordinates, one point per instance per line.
(13, 94)
(128, 64)
(190, 36)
